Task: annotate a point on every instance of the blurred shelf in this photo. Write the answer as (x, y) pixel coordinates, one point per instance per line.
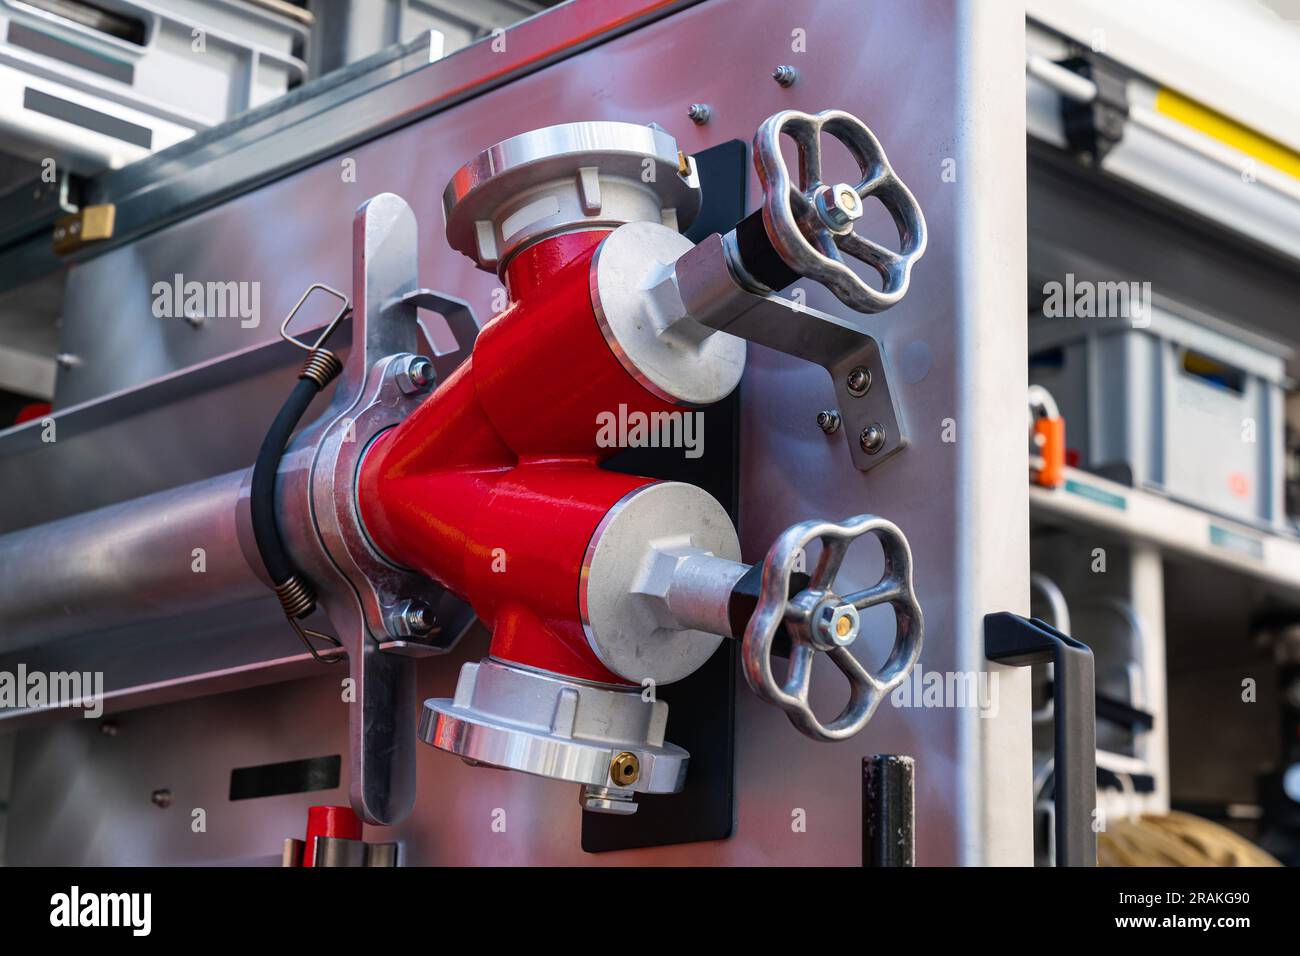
(1145, 516)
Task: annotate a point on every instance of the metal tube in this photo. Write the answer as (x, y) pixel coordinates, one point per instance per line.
(888, 810)
(1062, 79)
(699, 594)
(165, 554)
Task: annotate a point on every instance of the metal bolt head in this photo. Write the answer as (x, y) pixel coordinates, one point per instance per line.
(785, 75)
(161, 798)
(872, 438)
(624, 769)
(418, 617)
(828, 421)
(416, 376)
(421, 372)
(838, 206)
(859, 380)
(699, 113)
(837, 625)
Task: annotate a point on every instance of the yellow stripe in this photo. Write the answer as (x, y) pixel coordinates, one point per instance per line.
(1228, 131)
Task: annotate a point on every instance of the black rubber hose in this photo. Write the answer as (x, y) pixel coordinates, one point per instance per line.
(266, 532)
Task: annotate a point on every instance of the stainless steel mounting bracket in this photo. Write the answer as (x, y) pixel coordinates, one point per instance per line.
(709, 293)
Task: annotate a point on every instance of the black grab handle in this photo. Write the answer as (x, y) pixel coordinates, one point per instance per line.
(1018, 641)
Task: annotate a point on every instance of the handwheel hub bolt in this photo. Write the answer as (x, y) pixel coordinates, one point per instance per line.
(839, 207)
(836, 624)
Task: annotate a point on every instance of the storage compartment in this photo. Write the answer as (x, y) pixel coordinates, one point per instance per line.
(1162, 402)
(94, 86)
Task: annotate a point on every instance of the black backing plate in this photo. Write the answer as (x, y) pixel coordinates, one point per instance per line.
(701, 707)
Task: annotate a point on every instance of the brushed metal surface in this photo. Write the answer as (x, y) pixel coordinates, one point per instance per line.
(941, 83)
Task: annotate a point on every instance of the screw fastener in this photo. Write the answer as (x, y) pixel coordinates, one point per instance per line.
(839, 207)
(421, 372)
(785, 75)
(417, 376)
(699, 113)
(838, 625)
(829, 421)
(418, 617)
(161, 798)
(872, 438)
(859, 380)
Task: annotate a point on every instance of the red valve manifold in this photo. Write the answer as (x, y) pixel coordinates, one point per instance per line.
(492, 486)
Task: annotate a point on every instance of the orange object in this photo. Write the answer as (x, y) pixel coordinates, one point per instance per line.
(1049, 435)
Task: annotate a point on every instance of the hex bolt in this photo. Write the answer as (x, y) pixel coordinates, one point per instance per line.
(422, 372)
(418, 617)
(838, 625)
(785, 75)
(872, 438)
(839, 207)
(859, 381)
(828, 421)
(846, 199)
(417, 376)
(161, 798)
(699, 113)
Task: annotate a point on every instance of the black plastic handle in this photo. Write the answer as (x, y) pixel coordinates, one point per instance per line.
(1018, 641)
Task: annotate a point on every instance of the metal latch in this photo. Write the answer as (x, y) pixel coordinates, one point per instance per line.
(88, 224)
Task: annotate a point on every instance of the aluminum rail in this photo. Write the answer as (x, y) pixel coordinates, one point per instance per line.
(174, 552)
(1142, 114)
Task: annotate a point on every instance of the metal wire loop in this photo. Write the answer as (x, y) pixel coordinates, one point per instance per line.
(344, 311)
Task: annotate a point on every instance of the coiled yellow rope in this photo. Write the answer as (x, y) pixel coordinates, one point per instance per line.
(1178, 839)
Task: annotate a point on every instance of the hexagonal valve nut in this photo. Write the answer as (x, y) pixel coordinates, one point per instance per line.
(416, 376)
(412, 619)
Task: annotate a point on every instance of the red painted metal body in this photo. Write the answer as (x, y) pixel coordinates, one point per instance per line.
(329, 822)
(493, 486)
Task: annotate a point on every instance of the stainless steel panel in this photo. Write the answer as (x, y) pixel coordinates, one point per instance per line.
(941, 83)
